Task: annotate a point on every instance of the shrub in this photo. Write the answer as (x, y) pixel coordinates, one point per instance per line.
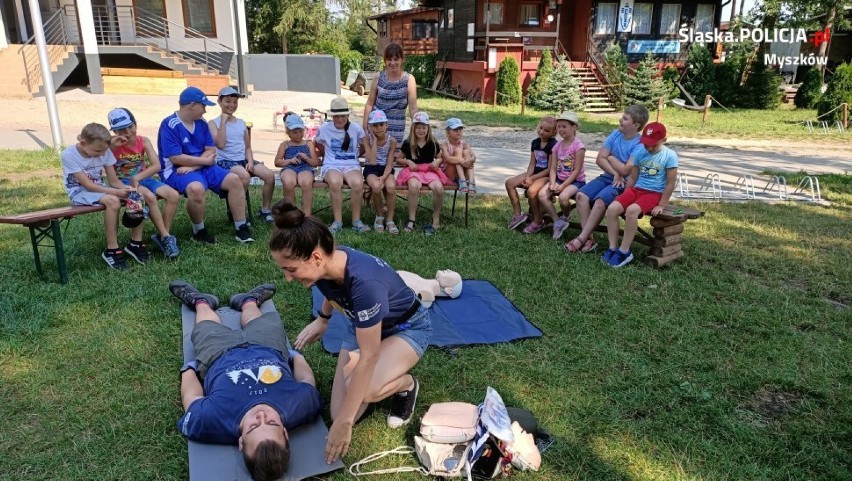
(810, 90)
(644, 87)
(422, 67)
(760, 90)
(615, 69)
(700, 78)
(563, 91)
(839, 90)
(728, 76)
(350, 60)
(543, 75)
(671, 75)
(508, 84)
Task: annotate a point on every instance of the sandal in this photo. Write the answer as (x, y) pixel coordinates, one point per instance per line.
(360, 227)
(471, 188)
(428, 229)
(589, 246)
(409, 226)
(392, 228)
(463, 188)
(379, 224)
(574, 245)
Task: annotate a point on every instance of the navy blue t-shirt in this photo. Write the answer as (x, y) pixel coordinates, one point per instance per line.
(239, 380)
(371, 292)
(542, 154)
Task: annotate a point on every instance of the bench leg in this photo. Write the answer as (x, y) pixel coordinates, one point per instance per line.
(466, 198)
(34, 239)
(249, 218)
(453, 209)
(60, 251)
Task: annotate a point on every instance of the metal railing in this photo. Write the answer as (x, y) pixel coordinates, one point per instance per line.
(126, 25)
(56, 38)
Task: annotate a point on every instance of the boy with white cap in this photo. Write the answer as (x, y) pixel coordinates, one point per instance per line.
(188, 155)
(234, 152)
(136, 164)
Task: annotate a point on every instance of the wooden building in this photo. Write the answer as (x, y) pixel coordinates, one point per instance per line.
(416, 30)
(475, 35)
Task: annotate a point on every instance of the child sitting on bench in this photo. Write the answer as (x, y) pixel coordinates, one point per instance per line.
(82, 172)
(255, 389)
(297, 158)
(648, 191)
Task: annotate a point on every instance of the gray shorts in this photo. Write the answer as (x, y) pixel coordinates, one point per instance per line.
(416, 331)
(85, 197)
(211, 339)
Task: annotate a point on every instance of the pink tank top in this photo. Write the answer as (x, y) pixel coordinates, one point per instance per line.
(566, 156)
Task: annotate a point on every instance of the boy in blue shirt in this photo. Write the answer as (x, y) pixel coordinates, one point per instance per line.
(648, 191)
(593, 199)
(188, 157)
(254, 391)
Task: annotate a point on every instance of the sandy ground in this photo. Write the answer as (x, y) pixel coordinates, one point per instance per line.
(502, 151)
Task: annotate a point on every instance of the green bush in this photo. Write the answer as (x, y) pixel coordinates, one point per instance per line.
(700, 78)
(422, 67)
(839, 90)
(644, 87)
(350, 60)
(671, 75)
(615, 69)
(760, 90)
(543, 75)
(563, 90)
(810, 90)
(728, 91)
(508, 84)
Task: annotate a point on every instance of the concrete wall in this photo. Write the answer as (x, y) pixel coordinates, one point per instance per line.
(302, 73)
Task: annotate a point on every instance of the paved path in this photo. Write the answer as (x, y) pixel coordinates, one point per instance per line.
(26, 127)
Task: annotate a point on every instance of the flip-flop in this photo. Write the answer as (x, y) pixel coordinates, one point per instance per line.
(574, 245)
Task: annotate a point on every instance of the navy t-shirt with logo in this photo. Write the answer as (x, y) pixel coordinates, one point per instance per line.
(371, 292)
(239, 380)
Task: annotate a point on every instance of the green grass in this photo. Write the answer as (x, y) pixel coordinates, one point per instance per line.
(785, 123)
(733, 363)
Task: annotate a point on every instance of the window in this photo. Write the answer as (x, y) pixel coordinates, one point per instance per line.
(450, 16)
(424, 29)
(704, 18)
(157, 7)
(383, 28)
(605, 19)
(642, 13)
(670, 19)
(496, 13)
(198, 14)
(530, 14)
(150, 17)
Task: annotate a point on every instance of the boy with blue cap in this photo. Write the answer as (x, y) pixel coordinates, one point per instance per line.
(188, 155)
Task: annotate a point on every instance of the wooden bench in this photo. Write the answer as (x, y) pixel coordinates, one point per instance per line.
(46, 224)
(320, 185)
(666, 237)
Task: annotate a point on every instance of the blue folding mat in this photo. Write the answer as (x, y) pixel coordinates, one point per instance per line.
(481, 315)
(225, 462)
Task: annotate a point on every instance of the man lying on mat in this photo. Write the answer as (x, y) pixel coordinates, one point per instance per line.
(255, 388)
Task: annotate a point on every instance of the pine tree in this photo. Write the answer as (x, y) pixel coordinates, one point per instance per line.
(644, 87)
(760, 90)
(615, 68)
(508, 84)
(839, 90)
(543, 74)
(700, 78)
(810, 90)
(563, 91)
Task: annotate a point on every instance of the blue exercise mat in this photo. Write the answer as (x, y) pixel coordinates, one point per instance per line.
(481, 315)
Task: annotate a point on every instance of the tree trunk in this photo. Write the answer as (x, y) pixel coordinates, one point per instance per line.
(733, 14)
(284, 43)
(742, 7)
(829, 25)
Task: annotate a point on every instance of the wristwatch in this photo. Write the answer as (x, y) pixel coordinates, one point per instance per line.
(324, 316)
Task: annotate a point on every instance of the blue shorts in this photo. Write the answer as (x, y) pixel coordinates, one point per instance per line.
(149, 183)
(227, 164)
(377, 170)
(417, 332)
(211, 177)
(298, 168)
(602, 188)
(577, 183)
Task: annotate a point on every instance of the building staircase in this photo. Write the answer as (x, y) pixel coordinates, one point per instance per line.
(593, 92)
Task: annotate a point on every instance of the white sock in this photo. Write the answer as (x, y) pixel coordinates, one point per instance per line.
(197, 227)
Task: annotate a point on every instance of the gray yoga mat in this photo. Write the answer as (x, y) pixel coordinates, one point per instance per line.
(225, 463)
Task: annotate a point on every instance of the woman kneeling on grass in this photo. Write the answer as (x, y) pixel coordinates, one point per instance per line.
(388, 328)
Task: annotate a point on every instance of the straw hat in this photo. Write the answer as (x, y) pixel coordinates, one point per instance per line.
(339, 106)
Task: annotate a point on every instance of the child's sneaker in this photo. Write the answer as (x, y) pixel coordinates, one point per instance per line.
(559, 227)
(533, 227)
(137, 251)
(115, 259)
(261, 294)
(189, 295)
(265, 216)
(605, 257)
(619, 258)
(335, 227)
(402, 406)
(244, 234)
(517, 220)
(204, 237)
(170, 242)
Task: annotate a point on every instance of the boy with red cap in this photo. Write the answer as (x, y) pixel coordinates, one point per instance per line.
(648, 191)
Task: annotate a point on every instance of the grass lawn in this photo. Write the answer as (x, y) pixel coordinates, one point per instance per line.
(785, 123)
(733, 363)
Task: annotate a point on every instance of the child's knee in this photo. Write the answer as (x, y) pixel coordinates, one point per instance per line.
(615, 208)
(169, 194)
(110, 201)
(633, 211)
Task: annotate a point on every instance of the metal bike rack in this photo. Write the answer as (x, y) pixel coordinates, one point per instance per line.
(778, 183)
(811, 183)
(711, 187)
(744, 188)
